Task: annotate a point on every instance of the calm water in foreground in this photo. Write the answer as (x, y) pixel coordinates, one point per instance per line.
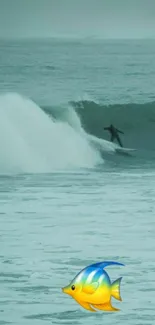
(53, 225)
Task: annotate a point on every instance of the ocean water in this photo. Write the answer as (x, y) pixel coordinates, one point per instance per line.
(67, 199)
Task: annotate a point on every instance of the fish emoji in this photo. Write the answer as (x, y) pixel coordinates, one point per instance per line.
(92, 288)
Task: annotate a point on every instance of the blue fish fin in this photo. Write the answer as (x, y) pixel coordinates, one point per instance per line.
(105, 264)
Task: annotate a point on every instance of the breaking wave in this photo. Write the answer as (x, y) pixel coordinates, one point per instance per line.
(31, 141)
(38, 140)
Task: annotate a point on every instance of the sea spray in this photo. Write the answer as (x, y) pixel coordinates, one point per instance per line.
(31, 141)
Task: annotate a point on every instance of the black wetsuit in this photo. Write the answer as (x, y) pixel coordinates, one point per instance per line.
(114, 134)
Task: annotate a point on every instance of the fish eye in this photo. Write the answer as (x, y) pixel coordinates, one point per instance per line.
(73, 287)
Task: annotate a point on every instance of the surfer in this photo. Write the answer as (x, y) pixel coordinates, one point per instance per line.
(114, 134)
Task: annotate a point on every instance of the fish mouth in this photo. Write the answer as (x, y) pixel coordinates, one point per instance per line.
(66, 290)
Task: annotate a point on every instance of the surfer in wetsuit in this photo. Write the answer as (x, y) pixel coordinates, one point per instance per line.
(114, 134)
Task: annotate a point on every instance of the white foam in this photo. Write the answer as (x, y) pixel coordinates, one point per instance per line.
(30, 141)
(103, 144)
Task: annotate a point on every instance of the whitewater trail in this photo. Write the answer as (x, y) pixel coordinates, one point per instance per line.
(102, 145)
(32, 142)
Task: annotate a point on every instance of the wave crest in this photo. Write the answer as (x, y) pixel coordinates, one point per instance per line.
(31, 141)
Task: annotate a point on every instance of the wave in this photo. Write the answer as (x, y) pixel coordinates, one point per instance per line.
(38, 140)
(31, 141)
(137, 121)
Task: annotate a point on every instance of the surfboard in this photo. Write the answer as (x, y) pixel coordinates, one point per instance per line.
(125, 151)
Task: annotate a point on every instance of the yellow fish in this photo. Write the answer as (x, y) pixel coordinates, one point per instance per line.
(92, 288)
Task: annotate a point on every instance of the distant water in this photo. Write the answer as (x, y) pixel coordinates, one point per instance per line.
(66, 198)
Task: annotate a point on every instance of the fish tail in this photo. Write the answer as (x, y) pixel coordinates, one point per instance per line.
(115, 289)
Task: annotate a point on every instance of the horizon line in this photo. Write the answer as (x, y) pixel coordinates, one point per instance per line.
(75, 37)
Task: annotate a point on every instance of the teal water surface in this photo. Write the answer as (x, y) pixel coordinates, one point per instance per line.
(63, 205)
(54, 225)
